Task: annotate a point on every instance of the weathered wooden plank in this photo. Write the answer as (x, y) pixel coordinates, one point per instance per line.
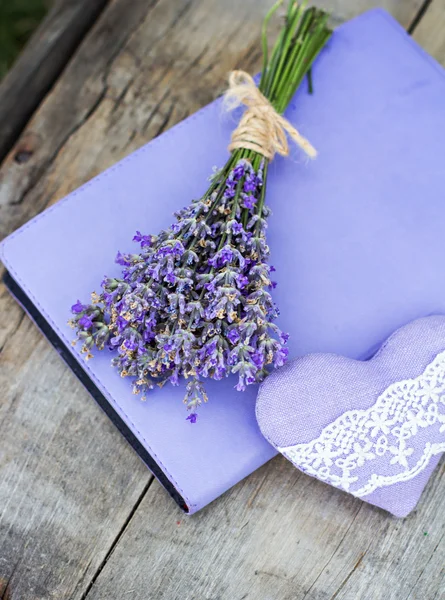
(342, 10)
(68, 483)
(41, 62)
(279, 534)
(430, 31)
(67, 108)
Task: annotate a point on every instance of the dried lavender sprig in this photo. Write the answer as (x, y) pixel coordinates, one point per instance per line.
(195, 301)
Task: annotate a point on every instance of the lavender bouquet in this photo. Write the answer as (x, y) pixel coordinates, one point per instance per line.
(194, 302)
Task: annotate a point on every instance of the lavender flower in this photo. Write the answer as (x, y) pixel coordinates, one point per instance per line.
(193, 306)
(78, 307)
(85, 322)
(194, 302)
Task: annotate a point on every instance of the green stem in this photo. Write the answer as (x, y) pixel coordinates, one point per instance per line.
(298, 44)
(262, 199)
(264, 37)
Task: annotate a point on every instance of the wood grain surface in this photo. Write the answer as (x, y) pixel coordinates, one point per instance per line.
(430, 32)
(80, 516)
(42, 61)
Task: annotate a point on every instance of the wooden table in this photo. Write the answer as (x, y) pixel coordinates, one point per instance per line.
(81, 516)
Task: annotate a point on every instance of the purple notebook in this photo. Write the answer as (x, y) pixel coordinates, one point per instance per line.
(356, 236)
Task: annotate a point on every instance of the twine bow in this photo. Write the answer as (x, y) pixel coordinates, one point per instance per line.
(261, 127)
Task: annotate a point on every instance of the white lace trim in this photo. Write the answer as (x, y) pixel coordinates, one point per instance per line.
(368, 449)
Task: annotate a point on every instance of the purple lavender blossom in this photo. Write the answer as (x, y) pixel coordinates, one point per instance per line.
(170, 278)
(174, 378)
(78, 307)
(130, 345)
(194, 302)
(236, 227)
(123, 260)
(281, 357)
(230, 190)
(178, 249)
(233, 335)
(85, 322)
(226, 255)
(250, 184)
(249, 202)
(284, 337)
(238, 171)
(121, 323)
(242, 281)
(258, 359)
(144, 240)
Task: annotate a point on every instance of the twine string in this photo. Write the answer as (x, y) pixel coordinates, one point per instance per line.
(261, 127)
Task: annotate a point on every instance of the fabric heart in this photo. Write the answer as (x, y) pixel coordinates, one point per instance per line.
(374, 428)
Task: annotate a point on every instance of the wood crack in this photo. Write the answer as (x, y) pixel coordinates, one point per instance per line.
(354, 569)
(165, 120)
(419, 16)
(153, 113)
(195, 62)
(255, 493)
(117, 539)
(120, 98)
(5, 583)
(181, 13)
(14, 331)
(424, 567)
(334, 553)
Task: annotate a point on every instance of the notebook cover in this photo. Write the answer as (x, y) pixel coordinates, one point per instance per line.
(356, 237)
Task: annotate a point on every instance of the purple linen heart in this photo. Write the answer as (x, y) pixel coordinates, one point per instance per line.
(374, 428)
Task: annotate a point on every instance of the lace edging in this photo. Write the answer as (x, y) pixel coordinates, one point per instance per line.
(363, 450)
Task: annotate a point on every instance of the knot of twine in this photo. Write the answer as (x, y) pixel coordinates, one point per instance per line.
(261, 128)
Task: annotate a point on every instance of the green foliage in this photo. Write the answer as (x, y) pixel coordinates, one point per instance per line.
(18, 20)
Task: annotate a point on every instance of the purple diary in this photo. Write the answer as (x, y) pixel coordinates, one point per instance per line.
(356, 237)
